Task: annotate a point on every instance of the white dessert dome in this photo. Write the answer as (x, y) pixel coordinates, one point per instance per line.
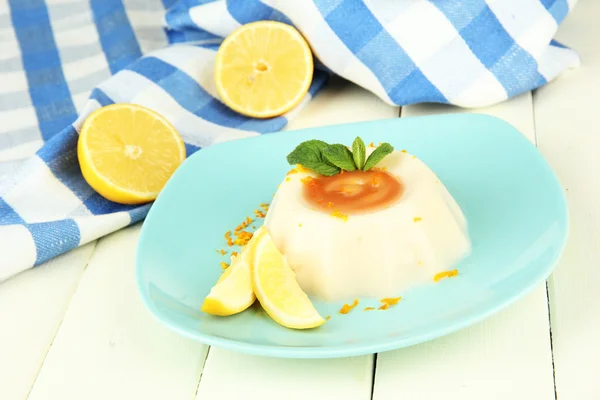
(378, 253)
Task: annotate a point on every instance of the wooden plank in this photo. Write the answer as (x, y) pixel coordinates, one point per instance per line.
(109, 346)
(568, 132)
(228, 375)
(506, 356)
(32, 306)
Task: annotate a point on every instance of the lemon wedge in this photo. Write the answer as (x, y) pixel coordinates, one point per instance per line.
(233, 292)
(263, 69)
(277, 290)
(128, 152)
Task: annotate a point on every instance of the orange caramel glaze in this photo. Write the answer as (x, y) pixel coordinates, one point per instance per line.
(353, 192)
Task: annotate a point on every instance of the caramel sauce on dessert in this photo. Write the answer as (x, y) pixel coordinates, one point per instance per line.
(353, 192)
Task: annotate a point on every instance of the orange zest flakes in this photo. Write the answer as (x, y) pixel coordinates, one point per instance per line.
(414, 156)
(328, 318)
(264, 206)
(379, 169)
(228, 238)
(244, 224)
(242, 238)
(224, 265)
(372, 145)
(234, 254)
(223, 252)
(339, 215)
(300, 168)
(403, 151)
(309, 180)
(330, 204)
(259, 214)
(347, 308)
(389, 302)
(392, 301)
(369, 308)
(445, 274)
(417, 219)
(292, 171)
(287, 179)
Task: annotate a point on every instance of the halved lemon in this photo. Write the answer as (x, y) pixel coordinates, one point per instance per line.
(127, 152)
(263, 69)
(233, 292)
(277, 290)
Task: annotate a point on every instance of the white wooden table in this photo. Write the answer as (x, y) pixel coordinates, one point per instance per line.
(76, 329)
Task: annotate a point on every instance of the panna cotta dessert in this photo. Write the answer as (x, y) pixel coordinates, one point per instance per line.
(366, 222)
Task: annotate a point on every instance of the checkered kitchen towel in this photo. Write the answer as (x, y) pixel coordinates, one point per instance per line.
(61, 59)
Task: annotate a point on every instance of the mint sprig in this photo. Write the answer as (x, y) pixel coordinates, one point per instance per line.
(331, 159)
(340, 156)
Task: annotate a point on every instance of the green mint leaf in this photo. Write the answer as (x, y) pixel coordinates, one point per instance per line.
(340, 156)
(309, 154)
(358, 152)
(377, 155)
(309, 151)
(323, 168)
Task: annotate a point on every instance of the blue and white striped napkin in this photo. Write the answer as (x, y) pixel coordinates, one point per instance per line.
(61, 59)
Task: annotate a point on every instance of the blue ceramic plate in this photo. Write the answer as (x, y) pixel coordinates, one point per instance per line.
(512, 200)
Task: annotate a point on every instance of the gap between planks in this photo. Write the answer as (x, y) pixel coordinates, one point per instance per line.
(551, 341)
(549, 306)
(374, 375)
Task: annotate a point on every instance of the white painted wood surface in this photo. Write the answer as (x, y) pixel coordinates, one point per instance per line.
(505, 356)
(32, 306)
(228, 375)
(109, 346)
(568, 132)
(71, 332)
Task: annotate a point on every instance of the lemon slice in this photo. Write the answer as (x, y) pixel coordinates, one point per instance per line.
(128, 152)
(263, 69)
(233, 292)
(277, 290)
